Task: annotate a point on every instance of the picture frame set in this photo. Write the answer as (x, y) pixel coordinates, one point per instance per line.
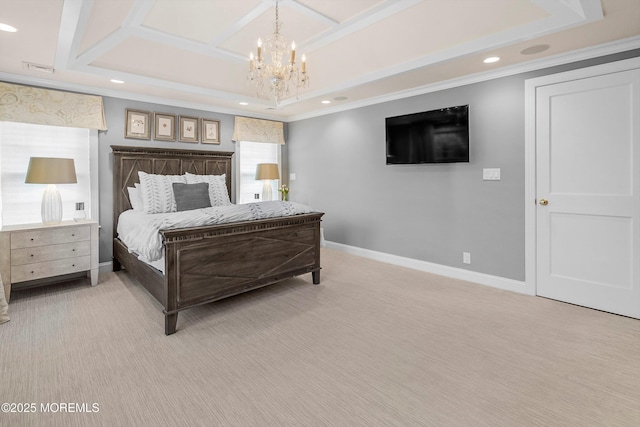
(166, 127)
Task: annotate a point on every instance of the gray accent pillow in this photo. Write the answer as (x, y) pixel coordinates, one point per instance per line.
(191, 196)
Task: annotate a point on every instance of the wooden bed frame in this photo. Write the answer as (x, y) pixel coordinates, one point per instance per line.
(205, 264)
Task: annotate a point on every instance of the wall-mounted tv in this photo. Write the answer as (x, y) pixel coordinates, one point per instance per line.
(437, 136)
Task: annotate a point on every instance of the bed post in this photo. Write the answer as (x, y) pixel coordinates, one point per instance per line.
(170, 322)
(171, 276)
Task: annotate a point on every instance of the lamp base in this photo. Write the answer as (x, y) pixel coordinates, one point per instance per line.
(267, 191)
(51, 209)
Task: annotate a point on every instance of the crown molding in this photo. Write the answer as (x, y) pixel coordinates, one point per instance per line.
(552, 61)
(560, 59)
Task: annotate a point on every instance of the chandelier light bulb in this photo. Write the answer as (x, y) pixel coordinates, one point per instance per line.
(259, 50)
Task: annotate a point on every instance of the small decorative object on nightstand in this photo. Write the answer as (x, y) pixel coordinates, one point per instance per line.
(285, 192)
(267, 172)
(79, 215)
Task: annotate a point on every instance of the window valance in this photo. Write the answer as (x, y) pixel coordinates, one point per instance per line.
(257, 130)
(40, 106)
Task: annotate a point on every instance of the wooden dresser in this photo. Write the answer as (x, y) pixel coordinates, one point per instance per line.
(37, 251)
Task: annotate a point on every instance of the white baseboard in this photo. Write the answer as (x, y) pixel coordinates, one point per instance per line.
(105, 267)
(429, 267)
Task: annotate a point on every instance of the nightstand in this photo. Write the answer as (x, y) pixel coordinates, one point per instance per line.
(38, 251)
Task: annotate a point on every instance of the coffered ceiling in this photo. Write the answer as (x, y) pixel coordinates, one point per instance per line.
(194, 53)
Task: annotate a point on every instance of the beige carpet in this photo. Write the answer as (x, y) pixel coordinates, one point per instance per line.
(372, 345)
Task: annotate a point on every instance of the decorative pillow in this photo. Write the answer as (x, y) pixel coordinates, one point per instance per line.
(191, 196)
(157, 192)
(218, 193)
(135, 198)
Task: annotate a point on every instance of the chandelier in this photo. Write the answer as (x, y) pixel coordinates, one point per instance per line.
(276, 77)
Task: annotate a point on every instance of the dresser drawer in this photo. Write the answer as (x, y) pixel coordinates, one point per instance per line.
(20, 273)
(50, 253)
(44, 237)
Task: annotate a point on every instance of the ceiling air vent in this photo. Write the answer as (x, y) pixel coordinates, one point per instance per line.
(36, 67)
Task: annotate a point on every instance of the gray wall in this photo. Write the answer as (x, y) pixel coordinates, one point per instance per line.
(431, 212)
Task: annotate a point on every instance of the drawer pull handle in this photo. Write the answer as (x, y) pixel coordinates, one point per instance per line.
(73, 250)
(32, 239)
(31, 271)
(31, 255)
(73, 235)
(73, 265)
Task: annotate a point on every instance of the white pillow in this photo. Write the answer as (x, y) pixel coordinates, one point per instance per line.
(218, 193)
(135, 198)
(157, 192)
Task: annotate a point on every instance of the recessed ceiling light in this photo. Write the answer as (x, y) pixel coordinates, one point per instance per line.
(326, 101)
(532, 50)
(8, 28)
(117, 81)
(491, 59)
(243, 103)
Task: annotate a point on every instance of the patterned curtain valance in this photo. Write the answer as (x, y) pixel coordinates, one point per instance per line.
(40, 106)
(256, 130)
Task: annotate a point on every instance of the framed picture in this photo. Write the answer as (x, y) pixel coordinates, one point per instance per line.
(188, 130)
(210, 131)
(138, 124)
(164, 128)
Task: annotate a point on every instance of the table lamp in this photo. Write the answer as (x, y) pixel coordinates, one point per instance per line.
(51, 171)
(267, 172)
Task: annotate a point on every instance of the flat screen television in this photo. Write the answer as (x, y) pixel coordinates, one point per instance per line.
(437, 136)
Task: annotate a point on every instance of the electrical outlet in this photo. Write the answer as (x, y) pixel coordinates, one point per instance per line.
(466, 257)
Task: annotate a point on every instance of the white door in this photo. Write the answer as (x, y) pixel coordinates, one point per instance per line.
(588, 192)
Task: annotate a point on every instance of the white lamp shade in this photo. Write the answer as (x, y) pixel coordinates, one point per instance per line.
(267, 171)
(49, 170)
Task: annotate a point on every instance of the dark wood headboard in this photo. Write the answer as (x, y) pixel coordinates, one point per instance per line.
(164, 161)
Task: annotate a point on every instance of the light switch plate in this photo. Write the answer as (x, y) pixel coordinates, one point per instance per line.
(292, 176)
(491, 174)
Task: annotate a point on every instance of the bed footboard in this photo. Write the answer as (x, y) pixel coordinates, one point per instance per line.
(206, 264)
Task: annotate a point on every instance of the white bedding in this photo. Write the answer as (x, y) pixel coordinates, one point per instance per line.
(131, 220)
(140, 231)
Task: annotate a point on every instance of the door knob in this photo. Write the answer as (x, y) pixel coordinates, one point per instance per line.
(544, 202)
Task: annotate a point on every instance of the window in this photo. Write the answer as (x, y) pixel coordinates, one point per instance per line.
(19, 202)
(249, 155)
